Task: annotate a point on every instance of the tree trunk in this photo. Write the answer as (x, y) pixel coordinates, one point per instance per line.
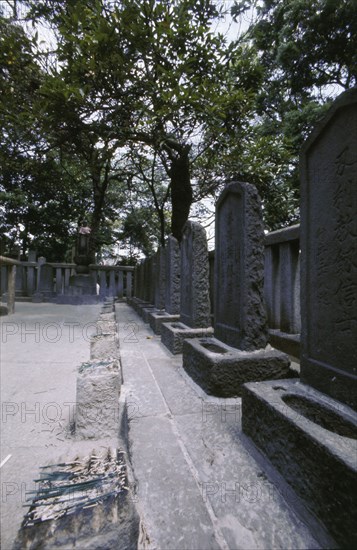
(181, 192)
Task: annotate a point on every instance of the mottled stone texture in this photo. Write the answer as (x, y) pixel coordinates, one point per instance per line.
(97, 401)
(222, 370)
(311, 440)
(195, 302)
(240, 318)
(104, 346)
(157, 318)
(174, 334)
(329, 252)
(160, 278)
(173, 271)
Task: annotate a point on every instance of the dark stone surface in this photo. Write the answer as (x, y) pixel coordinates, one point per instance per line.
(288, 421)
(222, 370)
(145, 312)
(82, 284)
(328, 253)
(195, 303)
(174, 334)
(46, 282)
(240, 318)
(160, 278)
(3, 310)
(288, 343)
(173, 273)
(157, 318)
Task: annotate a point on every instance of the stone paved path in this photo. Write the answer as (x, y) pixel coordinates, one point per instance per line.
(199, 486)
(41, 346)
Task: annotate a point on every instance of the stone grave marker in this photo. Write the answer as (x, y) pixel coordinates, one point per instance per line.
(309, 430)
(171, 308)
(329, 256)
(194, 301)
(173, 283)
(238, 352)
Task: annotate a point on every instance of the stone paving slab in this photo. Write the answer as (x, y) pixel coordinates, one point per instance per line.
(38, 391)
(198, 484)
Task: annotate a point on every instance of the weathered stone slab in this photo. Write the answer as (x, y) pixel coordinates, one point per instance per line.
(222, 370)
(160, 278)
(328, 253)
(97, 406)
(157, 318)
(311, 440)
(238, 352)
(45, 280)
(145, 312)
(107, 317)
(240, 318)
(195, 303)
(310, 437)
(195, 310)
(173, 277)
(106, 327)
(104, 346)
(174, 334)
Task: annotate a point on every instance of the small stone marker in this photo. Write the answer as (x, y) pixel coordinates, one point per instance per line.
(160, 278)
(173, 282)
(170, 264)
(195, 303)
(238, 352)
(329, 253)
(97, 405)
(195, 309)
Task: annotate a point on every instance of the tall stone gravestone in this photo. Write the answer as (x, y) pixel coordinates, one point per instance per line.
(170, 273)
(329, 255)
(150, 275)
(140, 299)
(194, 303)
(173, 281)
(309, 430)
(237, 353)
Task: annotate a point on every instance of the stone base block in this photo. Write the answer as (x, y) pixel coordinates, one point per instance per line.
(104, 346)
(81, 284)
(146, 311)
(288, 343)
(222, 370)
(107, 317)
(83, 299)
(156, 318)
(138, 305)
(311, 439)
(97, 405)
(106, 327)
(173, 335)
(3, 310)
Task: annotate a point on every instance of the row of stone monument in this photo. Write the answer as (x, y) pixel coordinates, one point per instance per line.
(307, 428)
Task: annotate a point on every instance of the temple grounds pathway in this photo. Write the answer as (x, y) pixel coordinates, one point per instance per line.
(41, 347)
(198, 483)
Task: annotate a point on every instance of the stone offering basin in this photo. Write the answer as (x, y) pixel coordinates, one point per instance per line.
(212, 347)
(311, 439)
(321, 415)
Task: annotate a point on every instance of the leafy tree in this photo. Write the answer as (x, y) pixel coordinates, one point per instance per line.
(307, 51)
(149, 72)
